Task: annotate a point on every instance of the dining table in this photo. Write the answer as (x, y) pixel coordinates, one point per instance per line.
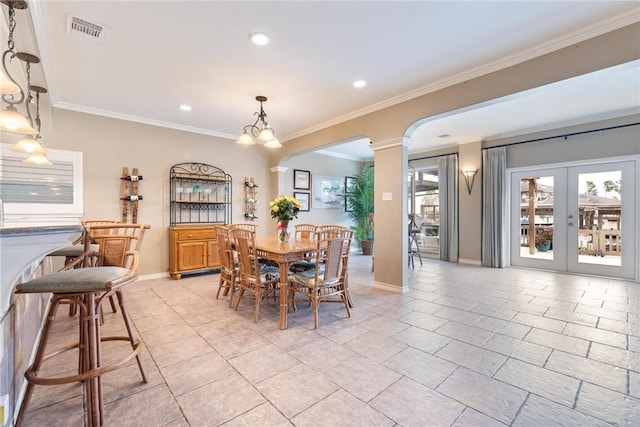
(284, 253)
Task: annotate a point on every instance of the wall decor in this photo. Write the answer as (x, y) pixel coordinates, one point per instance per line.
(301, 179)
(328, 191)
(304, 200)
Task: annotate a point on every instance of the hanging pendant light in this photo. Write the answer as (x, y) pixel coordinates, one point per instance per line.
(10, 119)
(263, 134)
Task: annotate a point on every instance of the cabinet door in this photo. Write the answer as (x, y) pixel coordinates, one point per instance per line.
(192, 255)
(214, 254)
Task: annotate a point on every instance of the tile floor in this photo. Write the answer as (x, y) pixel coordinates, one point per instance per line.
(466, 346)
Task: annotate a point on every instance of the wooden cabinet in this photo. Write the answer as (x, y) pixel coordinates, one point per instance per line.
(192, 249)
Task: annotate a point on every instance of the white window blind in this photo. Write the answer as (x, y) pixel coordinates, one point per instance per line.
(40, 194)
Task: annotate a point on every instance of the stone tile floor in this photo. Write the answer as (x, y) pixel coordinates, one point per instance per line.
(465, 346)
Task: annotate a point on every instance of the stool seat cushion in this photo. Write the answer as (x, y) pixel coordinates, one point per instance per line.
(74, 250)
(81, 280)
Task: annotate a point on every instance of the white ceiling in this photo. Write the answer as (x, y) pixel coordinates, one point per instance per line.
(156, 55)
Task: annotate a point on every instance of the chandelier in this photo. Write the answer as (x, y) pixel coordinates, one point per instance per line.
(260, 130)
(13, 95)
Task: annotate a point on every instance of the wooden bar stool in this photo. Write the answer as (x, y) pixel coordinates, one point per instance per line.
(88, 288)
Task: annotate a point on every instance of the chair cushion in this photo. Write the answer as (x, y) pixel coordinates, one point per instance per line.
(81, 280)
(307, 278)
(269, 273)
(73, 251)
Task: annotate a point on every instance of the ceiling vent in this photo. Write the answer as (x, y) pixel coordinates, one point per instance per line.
(84, 28)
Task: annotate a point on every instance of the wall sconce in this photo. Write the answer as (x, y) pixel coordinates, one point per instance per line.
(264, 134)
(469, 177)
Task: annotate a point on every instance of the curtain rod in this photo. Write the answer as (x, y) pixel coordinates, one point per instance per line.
(431, 157)
(565, 136)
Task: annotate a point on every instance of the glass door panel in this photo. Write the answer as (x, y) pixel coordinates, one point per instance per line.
(601, 214)
(535, 218)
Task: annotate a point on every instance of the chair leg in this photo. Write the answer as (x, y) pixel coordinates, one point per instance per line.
(132, 340)
(40, 352)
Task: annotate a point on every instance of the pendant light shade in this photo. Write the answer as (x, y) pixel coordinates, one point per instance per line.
(245, 139)
(14, 122)
(38, 159)
(28, 145)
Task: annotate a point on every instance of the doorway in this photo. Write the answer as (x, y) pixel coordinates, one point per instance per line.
(424, 208)
(575, 218)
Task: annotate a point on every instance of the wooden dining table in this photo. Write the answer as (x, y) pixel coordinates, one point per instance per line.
(284, 253)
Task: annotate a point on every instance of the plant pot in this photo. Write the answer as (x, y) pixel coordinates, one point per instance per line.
(544, 248)
(367, 247)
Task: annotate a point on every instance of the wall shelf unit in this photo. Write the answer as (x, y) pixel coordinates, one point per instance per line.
(200, 194)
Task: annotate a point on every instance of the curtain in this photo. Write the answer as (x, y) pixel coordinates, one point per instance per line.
(448, 199)
(494, 207)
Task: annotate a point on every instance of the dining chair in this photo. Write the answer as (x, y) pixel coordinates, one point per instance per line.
(229, 274)
(258, 280)
(327, 282)
(304, 232)
(245, 225)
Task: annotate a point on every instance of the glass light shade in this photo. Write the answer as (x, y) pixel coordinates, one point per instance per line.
(266, 134)
(273, 143)
(28, 145)
(7, 87)
(38, 159)
(14, 122)
(245, 139)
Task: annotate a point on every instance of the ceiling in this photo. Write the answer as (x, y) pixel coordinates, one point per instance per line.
(153, 56)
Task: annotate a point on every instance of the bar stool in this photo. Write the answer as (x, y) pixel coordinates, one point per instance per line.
(87, 288)
(414, 247)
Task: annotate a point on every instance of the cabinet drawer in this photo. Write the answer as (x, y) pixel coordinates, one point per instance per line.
(195, 234)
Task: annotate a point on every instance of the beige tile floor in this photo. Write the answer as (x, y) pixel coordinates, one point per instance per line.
(465, 346)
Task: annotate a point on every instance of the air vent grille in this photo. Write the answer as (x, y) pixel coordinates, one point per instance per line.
(84, 28)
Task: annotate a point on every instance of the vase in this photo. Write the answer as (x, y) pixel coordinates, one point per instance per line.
(283, 231)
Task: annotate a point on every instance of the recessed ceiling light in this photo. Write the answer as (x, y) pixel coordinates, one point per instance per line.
(260, 39)
(185, 107)
(359, 83)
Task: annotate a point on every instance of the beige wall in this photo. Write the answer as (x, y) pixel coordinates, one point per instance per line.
(110, 144)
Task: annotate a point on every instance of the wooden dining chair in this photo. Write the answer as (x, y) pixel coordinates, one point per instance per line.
(304, 231)
(259, 281)
(229, 274)
(245, 226)
(327, 282)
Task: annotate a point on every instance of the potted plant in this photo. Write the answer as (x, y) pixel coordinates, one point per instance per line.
(360, 205)
(544, 236)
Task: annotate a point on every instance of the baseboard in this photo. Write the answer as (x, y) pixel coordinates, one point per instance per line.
(153, 276)
(469, 261)
(390, 288)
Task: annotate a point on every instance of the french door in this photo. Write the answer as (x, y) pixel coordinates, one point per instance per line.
(576, 219)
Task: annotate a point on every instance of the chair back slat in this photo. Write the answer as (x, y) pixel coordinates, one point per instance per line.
(118, 244)
(224, 247)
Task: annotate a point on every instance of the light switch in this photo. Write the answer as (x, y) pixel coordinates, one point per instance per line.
(387, 196)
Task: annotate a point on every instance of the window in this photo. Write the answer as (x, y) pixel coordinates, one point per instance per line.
(41, 195)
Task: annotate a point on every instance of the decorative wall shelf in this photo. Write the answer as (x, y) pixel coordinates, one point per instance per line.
(200, 194)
